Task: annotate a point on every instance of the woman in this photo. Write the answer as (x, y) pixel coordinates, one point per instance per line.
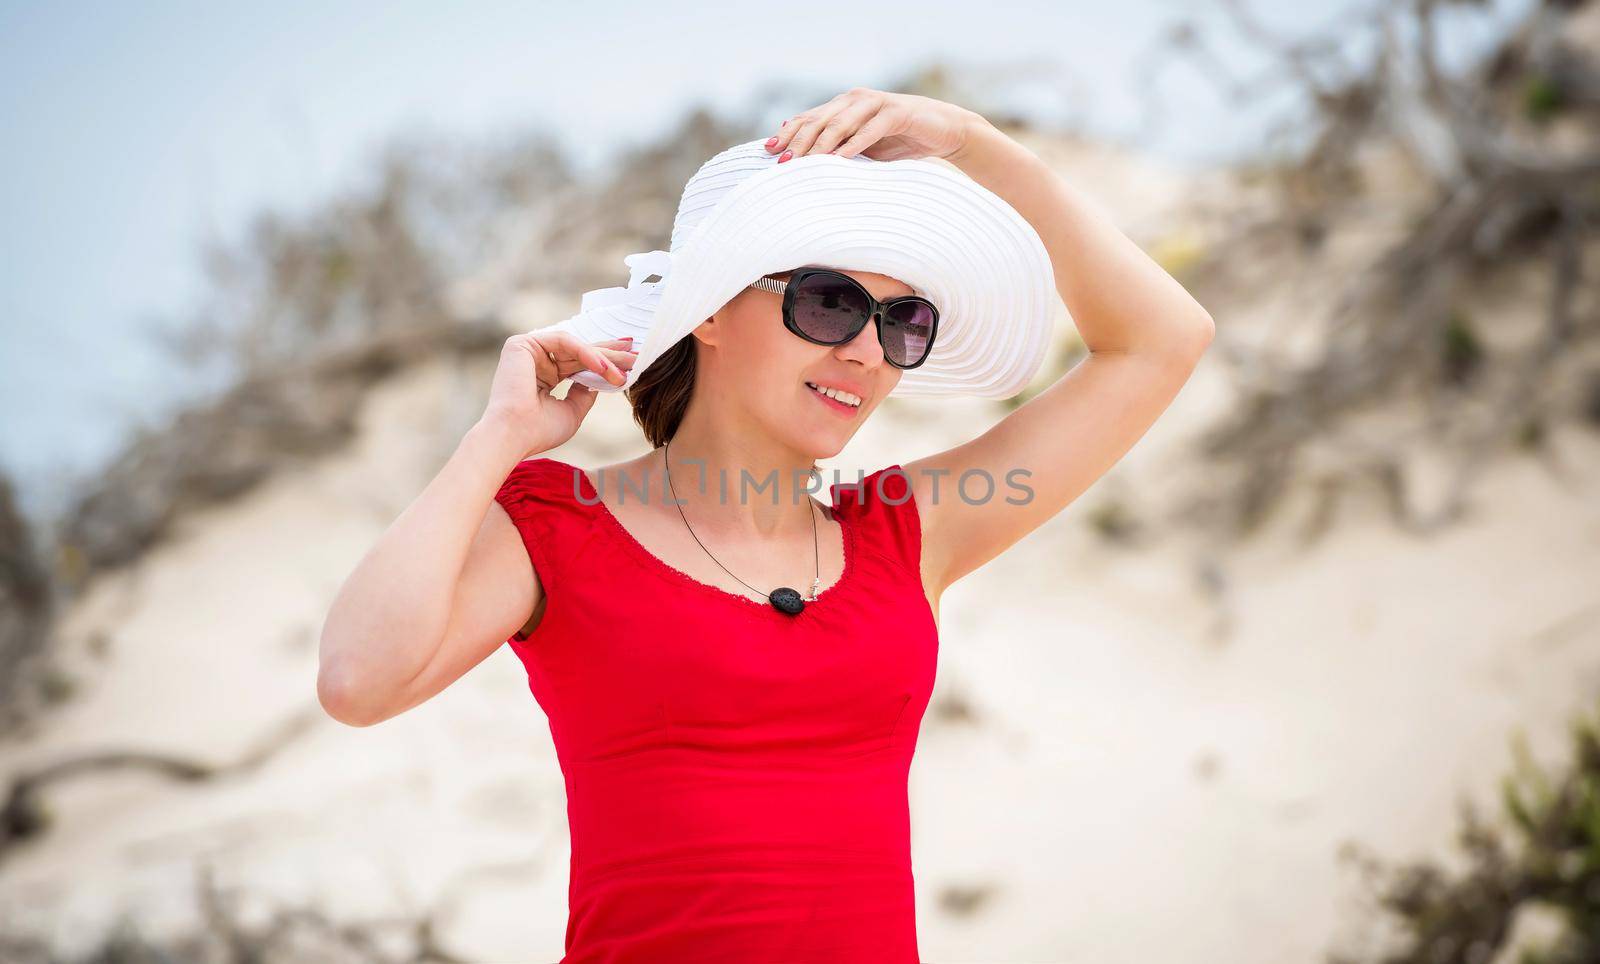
(734, 683)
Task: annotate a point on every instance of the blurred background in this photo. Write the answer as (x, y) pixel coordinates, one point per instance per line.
(1309, 676)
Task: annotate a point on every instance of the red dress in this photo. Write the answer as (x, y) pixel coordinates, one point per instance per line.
(735, 776)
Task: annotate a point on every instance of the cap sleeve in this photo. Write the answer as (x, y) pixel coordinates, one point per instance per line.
(541, 497)
(884, 510)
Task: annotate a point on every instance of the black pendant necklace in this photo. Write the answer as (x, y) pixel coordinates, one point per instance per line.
(784, 599)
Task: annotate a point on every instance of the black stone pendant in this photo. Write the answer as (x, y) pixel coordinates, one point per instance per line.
(786, 600)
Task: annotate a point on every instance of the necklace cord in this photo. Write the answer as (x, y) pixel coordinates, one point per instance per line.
(815, 546)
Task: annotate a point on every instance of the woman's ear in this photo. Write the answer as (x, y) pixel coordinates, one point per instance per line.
(708, 331)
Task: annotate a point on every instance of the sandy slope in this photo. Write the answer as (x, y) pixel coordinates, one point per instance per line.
(1146, 773)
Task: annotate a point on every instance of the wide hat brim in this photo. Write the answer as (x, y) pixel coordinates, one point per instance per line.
(932, 227)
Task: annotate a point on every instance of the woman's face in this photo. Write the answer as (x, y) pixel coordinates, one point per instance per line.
(748, 358)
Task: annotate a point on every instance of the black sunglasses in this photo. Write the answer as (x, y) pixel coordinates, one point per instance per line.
(828, 308)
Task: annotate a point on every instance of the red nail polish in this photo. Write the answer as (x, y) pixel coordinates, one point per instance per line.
(785, 156)
(772, 140)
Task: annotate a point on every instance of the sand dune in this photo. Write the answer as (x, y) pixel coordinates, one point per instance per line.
(1119, 765)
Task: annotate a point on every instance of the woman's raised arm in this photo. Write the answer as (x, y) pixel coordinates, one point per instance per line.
(1145, 335)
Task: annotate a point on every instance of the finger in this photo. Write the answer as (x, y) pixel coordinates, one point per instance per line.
(805, 127)
(621, 357)
(580, 398)
(562, 343)
(804, 135)
(546, 371)
(597, 360)
(784, 136)
(548, 367)
(872, 130)
(844, 124)
(612, 364)
(567, 355)
(572, 355)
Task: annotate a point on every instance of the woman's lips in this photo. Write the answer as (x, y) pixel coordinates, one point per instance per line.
(833, 404)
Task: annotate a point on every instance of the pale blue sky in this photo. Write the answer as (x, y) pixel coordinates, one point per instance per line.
(130, 131)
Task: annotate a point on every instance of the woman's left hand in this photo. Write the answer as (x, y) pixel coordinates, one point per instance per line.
(884, 126)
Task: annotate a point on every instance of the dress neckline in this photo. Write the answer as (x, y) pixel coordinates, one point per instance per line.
(610, 522)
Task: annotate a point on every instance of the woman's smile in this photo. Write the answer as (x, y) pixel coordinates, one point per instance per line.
(836, 399)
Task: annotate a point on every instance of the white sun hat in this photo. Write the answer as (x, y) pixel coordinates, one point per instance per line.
(928, 225)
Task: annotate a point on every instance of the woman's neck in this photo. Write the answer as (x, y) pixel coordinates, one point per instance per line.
(762, 491)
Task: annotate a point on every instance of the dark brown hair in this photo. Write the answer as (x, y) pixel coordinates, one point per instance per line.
(661, 394)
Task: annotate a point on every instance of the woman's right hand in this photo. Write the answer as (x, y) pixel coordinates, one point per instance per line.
(531, 365)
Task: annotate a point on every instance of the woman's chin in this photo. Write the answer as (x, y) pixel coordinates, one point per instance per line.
(825, 443)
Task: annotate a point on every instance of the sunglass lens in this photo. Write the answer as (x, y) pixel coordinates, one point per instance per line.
(828, 309)
(907, 332)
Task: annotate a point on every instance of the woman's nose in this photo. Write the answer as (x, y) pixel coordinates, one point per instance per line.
(864, 347)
